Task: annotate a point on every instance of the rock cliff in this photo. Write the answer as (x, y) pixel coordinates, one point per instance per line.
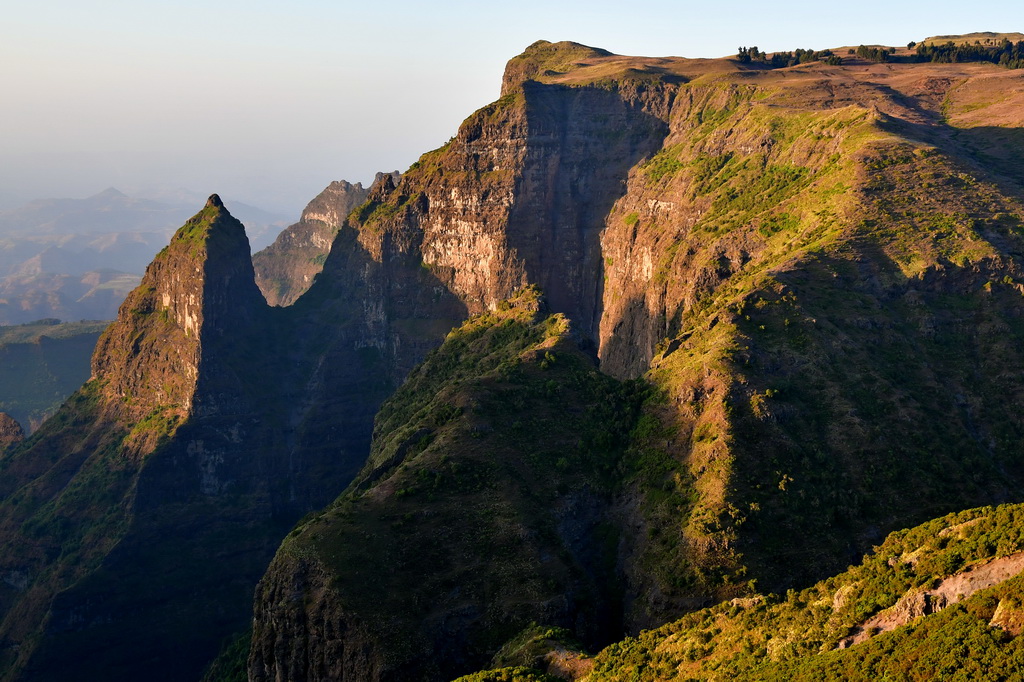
(808, 264)
(286, 268)
(815, 272)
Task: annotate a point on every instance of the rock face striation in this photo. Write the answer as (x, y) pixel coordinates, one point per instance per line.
(286, 268)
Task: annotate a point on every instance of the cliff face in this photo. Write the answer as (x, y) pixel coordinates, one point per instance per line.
(286, 268)
(520, 194)
(808, 264)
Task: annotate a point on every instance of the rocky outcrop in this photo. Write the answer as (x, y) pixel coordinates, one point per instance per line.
(286, 268)
(196, 298)
(919, 603)
(11, 432)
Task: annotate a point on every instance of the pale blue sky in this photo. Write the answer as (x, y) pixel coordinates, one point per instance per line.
(267, 102)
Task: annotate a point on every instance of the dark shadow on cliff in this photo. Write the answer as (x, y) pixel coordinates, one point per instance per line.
(994, 152)
(889, 405)
(581, 143)
(282, 424)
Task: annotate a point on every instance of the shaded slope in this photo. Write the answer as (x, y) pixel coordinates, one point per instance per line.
(481, 509)
(42, 364)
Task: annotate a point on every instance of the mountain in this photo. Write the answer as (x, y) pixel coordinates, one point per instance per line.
(818, 273)
(78, 258)
(730, 325)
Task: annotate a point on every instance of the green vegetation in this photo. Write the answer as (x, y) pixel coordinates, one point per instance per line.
(41, 364)
(794, 636)
(778, 60)
(875, 53)
(230, 664)
(515, 674)
(529, 647)
(1005, 53)
(478, 460)
(661, 164)
(544, 58)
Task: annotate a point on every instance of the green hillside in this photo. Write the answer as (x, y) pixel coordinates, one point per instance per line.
(41, 364)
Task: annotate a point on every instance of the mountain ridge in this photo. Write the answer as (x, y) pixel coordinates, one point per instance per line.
(801, 266)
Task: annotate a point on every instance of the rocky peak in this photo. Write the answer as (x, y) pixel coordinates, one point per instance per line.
(286, 268)
(11, 432)
(195, 292)
(383, 184)
(333, 204)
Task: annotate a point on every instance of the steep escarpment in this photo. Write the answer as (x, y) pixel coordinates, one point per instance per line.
(520, 194)
(480, 510)
(821, 286)
(811, 266)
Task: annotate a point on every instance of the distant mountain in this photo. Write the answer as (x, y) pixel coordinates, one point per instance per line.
(78, 258)
(112, 211)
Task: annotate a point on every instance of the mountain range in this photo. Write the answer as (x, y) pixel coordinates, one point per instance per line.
(661, 368)
(76, 259)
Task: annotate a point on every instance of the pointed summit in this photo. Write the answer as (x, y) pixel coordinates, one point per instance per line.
(199, 287)
(110, 193)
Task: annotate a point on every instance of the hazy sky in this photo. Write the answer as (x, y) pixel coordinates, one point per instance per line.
(267, 102)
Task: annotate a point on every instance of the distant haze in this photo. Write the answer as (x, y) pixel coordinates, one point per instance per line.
(267, 102)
